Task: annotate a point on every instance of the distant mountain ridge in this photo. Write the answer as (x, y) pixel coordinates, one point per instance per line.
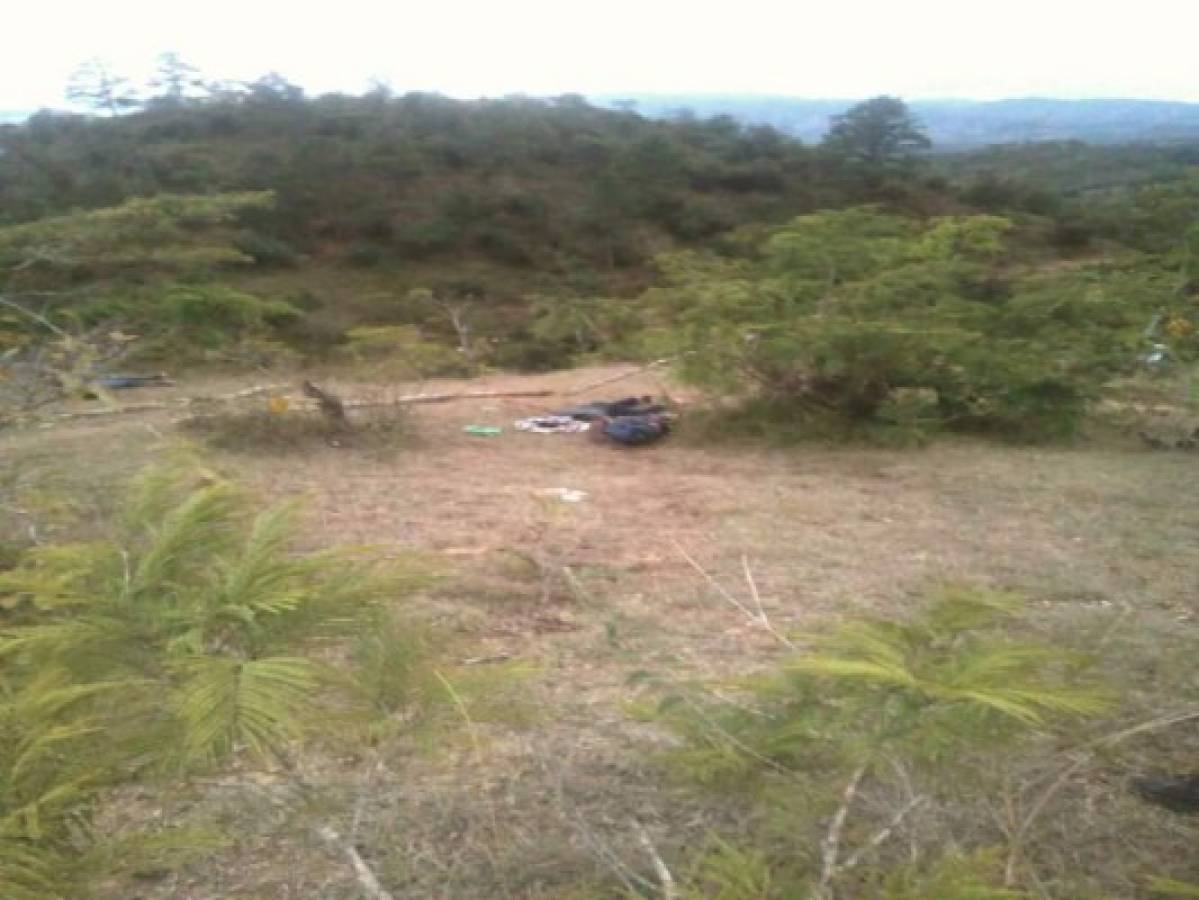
(952, 124)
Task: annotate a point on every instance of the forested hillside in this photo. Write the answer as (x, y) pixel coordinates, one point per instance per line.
(498, 204)
(519, 232)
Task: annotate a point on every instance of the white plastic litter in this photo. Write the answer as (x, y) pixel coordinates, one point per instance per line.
(566, 495)
(550, 425)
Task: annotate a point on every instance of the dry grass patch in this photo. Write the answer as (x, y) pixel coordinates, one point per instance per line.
(585, 594)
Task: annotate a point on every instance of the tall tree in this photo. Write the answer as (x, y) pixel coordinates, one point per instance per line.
(94, 84)
(274, 88)
(878, 133)
(175, 80)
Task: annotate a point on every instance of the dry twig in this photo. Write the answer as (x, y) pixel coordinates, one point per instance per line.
(758, 618)
(882, 834)
(367, 880)
(665, 879)
(830, 846)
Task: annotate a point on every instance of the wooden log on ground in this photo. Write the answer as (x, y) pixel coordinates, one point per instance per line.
(245, 393)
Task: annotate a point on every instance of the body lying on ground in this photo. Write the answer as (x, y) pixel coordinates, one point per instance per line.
(632, 431)
(627, 406)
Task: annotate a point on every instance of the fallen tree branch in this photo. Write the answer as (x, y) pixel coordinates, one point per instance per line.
(881, 835)
(830, 846)
(407, 399)
(758, 618)
(665, 879)
(367, 880)
(403, 400)
(40, 319)
(177, 403)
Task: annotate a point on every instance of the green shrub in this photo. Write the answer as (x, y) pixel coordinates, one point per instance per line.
(402, 349)
(925, 704)
(839, 314)
(188, 638)
(266, 250)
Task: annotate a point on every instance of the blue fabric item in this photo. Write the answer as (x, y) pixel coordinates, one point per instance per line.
(636, 430)
(119, 382)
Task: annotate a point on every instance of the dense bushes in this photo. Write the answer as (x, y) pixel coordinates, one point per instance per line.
(860, 317)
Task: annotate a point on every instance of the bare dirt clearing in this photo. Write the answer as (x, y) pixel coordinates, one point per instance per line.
(587, 593)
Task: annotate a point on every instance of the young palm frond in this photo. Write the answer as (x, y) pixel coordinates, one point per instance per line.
(180, 642)
(950, 668)
(223, 702)
(949, 677)
(1168, 887)
(27, 873)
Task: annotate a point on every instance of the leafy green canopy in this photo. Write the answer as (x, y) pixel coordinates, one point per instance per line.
(877, 133)
(866, 317)
(169, 231)
(72, 286)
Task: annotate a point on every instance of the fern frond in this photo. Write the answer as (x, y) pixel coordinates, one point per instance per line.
(958, 608)
(864, 670)
(53, 701)
(40, 744)
(58, 576)
(200, 528)
(263, 578)
(1168, 887)
(27, 873)
(26, 820)
(224, 702)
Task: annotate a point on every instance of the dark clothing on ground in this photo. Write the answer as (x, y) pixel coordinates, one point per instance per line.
(1179, 793)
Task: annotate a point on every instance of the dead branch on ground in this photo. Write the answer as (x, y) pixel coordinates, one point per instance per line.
(830, 846)
(665, 879)
(403, 400)
(367, 879)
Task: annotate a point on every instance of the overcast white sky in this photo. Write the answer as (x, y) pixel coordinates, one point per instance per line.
(832, 48)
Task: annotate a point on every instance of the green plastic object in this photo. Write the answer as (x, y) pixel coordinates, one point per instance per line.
(483, 430)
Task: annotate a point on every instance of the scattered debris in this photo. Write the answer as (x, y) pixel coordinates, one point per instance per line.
(486, 660)
(566, 495)
(556, 424)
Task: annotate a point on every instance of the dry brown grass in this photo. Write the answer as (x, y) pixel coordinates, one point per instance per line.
(588, 593)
